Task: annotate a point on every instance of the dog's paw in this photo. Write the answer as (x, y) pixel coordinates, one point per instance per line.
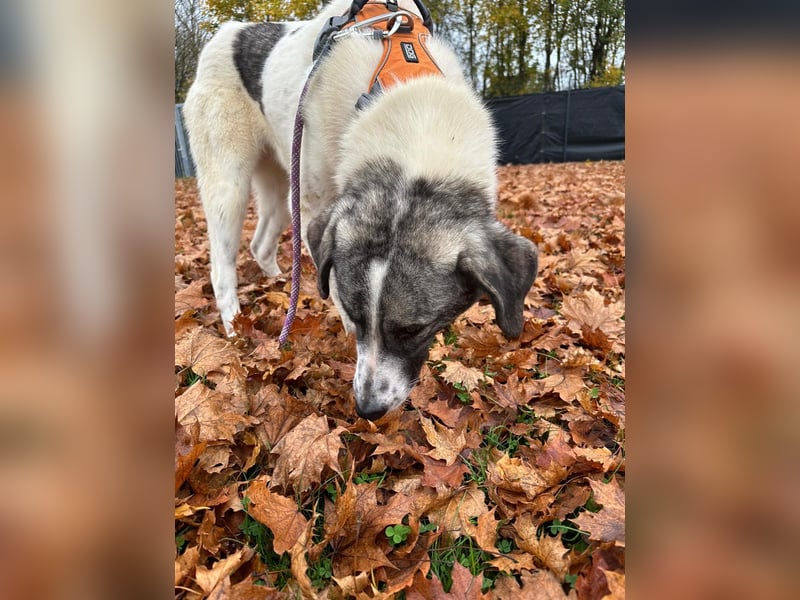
(269, 266)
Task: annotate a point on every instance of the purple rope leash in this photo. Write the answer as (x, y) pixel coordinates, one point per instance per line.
(294, 182)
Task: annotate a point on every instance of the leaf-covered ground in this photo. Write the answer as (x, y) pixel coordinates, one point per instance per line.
(504, 475)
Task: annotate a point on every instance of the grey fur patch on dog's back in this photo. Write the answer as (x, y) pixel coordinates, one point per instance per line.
(250, 51)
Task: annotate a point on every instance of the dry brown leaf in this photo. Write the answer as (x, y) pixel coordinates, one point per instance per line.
(608, 524)
(426, 589)
(209, 535)
(247, 590)
(447, 443)
(305, 451)
(364, 526)
(186, 563)
(469, 377)
(548, 551)
(191, 298)
(543, 585)
(213, 411)
(208, 578)
(442, 477)
(465, 584)
(486, 531)
(203, 352)
(299, 566)
(616, 583)
(513, 562)
(184, 463)
(352, 585)
(589, 309)
(277, 512)
(454, 517)
(516, 475)
(566, 384)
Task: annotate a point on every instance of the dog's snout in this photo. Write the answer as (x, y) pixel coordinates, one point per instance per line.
(380, 383)
(371, 414)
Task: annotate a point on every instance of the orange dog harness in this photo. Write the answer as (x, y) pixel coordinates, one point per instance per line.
(405, 54)
(404, 35)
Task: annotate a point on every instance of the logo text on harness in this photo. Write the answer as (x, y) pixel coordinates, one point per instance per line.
(408, 52)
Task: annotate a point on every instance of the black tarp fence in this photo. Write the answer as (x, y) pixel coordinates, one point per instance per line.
(574, 125)
(566, 126)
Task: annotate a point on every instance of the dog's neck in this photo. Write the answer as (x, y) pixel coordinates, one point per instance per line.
(434, 143)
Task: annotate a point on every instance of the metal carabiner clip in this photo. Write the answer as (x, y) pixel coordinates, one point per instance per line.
(398, 19)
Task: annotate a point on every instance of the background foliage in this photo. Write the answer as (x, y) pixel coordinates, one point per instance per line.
(508, 47)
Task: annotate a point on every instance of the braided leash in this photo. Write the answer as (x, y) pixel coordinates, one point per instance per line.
(294, 182)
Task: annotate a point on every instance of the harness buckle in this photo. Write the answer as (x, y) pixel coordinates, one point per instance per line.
(333, 26)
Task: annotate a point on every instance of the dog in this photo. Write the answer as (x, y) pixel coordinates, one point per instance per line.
(397, 197)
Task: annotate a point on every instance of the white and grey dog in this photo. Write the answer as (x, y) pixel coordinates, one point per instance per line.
(397, 197)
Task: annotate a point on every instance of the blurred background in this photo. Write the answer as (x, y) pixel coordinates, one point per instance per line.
(86, 415)
(87, 94)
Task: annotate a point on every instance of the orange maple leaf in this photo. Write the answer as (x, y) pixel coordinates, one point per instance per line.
(456, 373)
(447, 443)
(204, 352)
(589, 309)
(454, 516)
(218, 415)
(305, 451)
(209, 578)
(277, 512)
(608, 524)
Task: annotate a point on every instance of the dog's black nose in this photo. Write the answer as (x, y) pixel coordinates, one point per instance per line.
(371, 415)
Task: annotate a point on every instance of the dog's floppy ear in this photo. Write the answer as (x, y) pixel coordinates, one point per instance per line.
(320, 241)
(504, 268)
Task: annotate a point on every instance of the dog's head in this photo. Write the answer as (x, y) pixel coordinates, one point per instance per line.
(402, 259)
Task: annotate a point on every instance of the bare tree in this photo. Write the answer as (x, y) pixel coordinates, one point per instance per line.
(190, 36)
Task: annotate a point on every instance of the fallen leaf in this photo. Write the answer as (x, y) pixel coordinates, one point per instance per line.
(486, 531)
(616, 585)
(247, 590)
(465, 584)
(589, 309)
(566, 384)
(454, 517)
(441, 476)
(299, 566)
(447, 443)
(305, 451)
(213, 411)
(204, 352)
(513, 562)
(186, 563)
(208, 534)
(184, 463)
(208, 578)
(191, 298)
(426, 589)
(543, 585)
(516, 475)
(458, 374)
(363, 523)
(352, 585)
(277, 512)
(608, 524)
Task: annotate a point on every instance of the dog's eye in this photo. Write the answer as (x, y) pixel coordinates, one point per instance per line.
(407, 331)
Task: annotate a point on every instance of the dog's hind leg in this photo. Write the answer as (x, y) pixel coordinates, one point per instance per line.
(271, 190)
(225, 203)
